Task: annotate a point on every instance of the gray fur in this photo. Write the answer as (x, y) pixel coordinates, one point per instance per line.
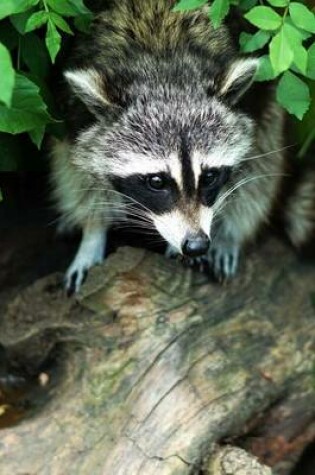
(146, 97)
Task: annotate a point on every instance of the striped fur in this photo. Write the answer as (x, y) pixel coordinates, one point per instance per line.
(153, 92)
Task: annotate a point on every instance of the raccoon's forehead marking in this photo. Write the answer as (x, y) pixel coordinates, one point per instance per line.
(175, 168)
(189, 180)
(131, 163)
(214, 159)
(217, 158)
(195, 163)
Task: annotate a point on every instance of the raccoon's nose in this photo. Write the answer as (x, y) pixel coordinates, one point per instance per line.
(196, 246)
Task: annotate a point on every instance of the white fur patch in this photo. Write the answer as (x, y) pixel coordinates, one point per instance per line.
(174, 226)
(130, 163)
(223, 156)
(90, 253)
(196, 163)
(206, 217)
(242, 70)
(87, 84)
(175, 168)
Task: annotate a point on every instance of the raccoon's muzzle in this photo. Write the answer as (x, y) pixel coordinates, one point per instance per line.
(195, 246)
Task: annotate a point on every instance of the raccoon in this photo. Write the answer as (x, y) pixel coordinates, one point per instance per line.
(167, 128)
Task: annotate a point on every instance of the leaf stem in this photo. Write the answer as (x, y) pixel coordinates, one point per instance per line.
(45, 6)
(286, 11)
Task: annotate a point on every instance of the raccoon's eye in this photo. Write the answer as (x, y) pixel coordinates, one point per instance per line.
(156, 182)
(210, 178)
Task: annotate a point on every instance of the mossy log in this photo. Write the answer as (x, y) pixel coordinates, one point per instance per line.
(161, 371)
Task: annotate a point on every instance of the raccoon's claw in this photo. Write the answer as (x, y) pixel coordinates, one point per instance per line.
(74, 279)
(224, 260)
(77, 272)
(90, 253)
(200, 264)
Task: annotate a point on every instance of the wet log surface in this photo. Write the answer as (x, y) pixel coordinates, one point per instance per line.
(158, 369)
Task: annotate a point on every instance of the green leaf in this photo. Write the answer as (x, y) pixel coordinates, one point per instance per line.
(264, 18)
(79, 5)
(28, 110)
(60, 23)
(63, 8)
(302, 16)
(218, 11)
(244, 39)
(297, 32)
(37, 63)
(183, 5)
(37, 135)
(279, 3)
(310, 71)
(293, 94)
(36, 20)
(250, 43)
(246, 5)
(7, 77)
(10, 7)
(68, 7)
(265, 70)
(300, 57)
(19, 21)
(281, 54)
(8, 36)
(53, 40)
(295, 41)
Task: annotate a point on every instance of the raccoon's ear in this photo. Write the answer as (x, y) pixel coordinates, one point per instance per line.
(238, 77)
(89, 86)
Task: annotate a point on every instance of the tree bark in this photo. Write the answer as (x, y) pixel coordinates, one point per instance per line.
(235, 461)
(156, 369)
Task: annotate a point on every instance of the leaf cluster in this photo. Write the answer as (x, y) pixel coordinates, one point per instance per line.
(285, 40)
(31, 35)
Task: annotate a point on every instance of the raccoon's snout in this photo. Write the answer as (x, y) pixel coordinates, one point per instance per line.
(195, 246)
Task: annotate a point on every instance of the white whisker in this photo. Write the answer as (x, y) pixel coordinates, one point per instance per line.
(271, 152)
(110, 190)
(240, 183)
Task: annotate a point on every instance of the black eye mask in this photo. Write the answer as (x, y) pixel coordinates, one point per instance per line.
(208, 189)
(157, 201)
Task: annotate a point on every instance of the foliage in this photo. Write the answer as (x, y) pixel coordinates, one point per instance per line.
(288, 28)
(32, 33)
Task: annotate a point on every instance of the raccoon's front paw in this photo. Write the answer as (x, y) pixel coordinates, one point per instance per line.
(224, 260)
(78, 271)
(74, 278)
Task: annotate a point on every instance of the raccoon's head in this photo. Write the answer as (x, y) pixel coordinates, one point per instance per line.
(171, 149)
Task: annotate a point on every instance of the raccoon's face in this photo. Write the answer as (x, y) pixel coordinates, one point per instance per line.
(172, 153)
(179, 204)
